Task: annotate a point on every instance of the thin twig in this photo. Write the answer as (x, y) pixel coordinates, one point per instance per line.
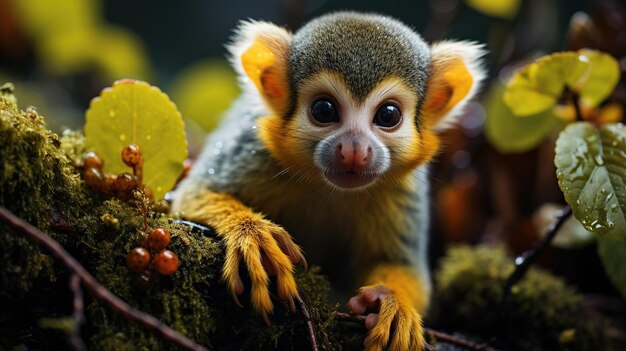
(309, 323)
(78, 316)
(430, 333)
(453, 340)
(523, 261)
(92, 285)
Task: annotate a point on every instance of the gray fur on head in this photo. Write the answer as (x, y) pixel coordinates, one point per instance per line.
(363, 48)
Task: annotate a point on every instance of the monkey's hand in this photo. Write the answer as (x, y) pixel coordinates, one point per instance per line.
(264, 247)
(392, 323)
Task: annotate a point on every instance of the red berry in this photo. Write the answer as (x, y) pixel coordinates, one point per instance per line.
(109, 183)
(93, 177)
(125, 182)
(138, 259)
(166, 262)
(91, 160)
(158, 239)
(132, 155)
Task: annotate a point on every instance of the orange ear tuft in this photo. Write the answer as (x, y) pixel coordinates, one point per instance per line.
(454, 79)
(259, 54)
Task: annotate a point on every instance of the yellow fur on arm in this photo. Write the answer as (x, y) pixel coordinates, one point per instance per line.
(405, 283)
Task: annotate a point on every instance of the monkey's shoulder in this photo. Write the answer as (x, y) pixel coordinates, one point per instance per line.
(233, 155)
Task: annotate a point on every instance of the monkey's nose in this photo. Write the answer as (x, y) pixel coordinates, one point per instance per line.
(351, 155)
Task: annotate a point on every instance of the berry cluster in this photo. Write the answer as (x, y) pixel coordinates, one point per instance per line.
(122, 185)
(152, 255)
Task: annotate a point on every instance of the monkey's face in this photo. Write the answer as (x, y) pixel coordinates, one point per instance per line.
(353, 100)
(351, 143)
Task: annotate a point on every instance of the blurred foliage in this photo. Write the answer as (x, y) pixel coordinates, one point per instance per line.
(583, 88)
(70, 36)
(205, 90)
(508, 132)
(133, 112)
(613, 256)
(497, 8)
(542, 309)
(589, 74)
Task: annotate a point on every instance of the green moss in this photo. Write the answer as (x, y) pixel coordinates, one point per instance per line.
(39, 182)
(36, 179)
(544, 313)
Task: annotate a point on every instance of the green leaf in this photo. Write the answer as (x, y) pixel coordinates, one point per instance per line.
(133, 112)
(591, 169)
(539, 86)
(613, 257)
(511, 134)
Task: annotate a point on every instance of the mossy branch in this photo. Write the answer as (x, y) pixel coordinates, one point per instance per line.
(430, 333)
(95, 288)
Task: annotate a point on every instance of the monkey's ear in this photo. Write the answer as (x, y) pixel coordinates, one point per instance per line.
(455, 78)
(259, 54)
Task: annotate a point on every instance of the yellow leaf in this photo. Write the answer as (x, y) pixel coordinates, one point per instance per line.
(539, 86)
(496, 8)
(550, 74)
(523, 98)
(600, 79)
(133, 112)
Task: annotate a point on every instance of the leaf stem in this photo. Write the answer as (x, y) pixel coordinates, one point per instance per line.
(575, 100)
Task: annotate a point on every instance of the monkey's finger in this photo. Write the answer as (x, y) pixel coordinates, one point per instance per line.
(259, 293)
(368, 299)
(401, 339)
(267, 265)
(378, 337)
(290, 248)
(285, 283)
(356, 306)
(371, 320)
(230, 273)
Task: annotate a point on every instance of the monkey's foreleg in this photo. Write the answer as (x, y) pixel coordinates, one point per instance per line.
(264, 247)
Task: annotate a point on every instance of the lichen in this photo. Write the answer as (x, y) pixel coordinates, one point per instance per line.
(543, 312)
(40, 183)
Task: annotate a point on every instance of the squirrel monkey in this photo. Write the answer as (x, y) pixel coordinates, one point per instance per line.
(327, 148)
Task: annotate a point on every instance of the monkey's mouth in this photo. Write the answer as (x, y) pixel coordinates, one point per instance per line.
(350, 179)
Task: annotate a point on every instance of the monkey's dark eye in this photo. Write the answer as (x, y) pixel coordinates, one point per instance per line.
(324, 111)
(388, 116)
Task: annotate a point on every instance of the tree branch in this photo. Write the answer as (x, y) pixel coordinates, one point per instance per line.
(78, 316)
(309, 323)
(92, 285)
(447, 338)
